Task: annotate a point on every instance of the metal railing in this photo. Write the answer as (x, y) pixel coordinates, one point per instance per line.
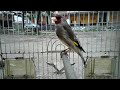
(34, 36)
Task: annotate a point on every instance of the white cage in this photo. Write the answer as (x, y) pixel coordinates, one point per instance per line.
(32, 34)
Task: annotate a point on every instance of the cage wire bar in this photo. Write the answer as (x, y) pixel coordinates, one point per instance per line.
(31, 34)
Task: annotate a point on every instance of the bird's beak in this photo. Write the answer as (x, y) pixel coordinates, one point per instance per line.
(54, 19)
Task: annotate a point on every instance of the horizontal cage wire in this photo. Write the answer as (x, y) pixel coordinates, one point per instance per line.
(29, 38)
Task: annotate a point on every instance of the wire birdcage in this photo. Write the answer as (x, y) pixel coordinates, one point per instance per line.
(31, 34)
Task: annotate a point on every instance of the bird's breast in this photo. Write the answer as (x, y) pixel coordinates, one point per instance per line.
(58, 32)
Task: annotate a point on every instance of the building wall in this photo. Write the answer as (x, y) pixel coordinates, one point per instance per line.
(116, 16)
(43, 20)
(84, 19)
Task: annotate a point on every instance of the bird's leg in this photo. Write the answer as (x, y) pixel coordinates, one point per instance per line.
(68, 49)
(64, 51)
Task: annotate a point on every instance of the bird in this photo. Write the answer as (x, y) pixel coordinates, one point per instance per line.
(66, 35)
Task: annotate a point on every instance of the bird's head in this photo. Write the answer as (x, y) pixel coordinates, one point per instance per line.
(57, 19)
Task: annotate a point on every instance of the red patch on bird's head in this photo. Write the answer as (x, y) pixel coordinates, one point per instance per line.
(58, 17)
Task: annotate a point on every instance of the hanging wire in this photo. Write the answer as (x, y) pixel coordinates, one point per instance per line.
(102, 30)
(46, 25)
(41, 15)
(92, 44)
(115, 39)
(97, 30)
(112, 22)
(107, 17)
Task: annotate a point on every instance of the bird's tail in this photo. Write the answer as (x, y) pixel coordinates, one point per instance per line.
(82, 49)
(83, 60)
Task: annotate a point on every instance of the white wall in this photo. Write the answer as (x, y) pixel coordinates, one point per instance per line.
(17, 19)
(68, 21)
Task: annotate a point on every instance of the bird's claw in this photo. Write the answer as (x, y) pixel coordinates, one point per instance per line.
(64, 52)
(85, 62)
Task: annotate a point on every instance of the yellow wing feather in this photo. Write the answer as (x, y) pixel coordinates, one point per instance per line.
(75, 43)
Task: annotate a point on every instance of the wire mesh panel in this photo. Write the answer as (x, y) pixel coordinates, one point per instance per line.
(31, 34)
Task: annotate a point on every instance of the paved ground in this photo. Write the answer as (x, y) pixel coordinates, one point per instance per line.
(95, 44)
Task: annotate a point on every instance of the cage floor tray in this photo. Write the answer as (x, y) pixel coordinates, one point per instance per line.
(20, 68)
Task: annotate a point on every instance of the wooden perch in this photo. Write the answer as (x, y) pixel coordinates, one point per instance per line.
(69, 71)
(57, 70)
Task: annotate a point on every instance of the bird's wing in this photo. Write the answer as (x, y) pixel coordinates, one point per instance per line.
(68, 29)
(66, 38)
(71, 34)
(63, 36)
